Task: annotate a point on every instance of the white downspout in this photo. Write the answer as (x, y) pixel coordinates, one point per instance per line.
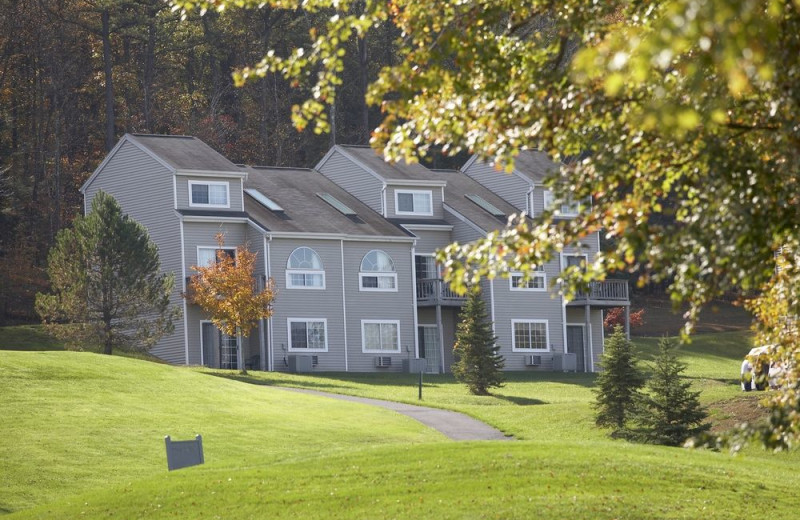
(344, 309)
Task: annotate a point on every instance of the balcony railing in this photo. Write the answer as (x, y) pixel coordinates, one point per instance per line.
(434, 291)
(605, 291)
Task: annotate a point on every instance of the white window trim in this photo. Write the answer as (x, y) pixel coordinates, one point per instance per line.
(569, 209)
(377, 274)
(289, 322)
(564, 256)
(364, 337)
(290, 285)
(197, 256)
(210, 183)
(429, 193)
(533, 275)
(547, 336)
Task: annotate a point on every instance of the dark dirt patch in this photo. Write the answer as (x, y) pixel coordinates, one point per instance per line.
(729, 414)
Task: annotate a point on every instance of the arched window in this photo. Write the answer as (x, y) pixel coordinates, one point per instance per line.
(304, 270)
(377, 272)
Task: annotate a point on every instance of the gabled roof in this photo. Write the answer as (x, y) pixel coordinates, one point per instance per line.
(532, 165)
(535, 165)
(295, 191)
(388, 172)
(183, 152)
(459, 186)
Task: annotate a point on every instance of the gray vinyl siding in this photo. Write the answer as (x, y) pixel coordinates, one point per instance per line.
(202, 234)
(309, 303)
(428, 241)
(436, 201)
(234, 191)
(463, 233)
(358, 182)
(509, 186)
(577, 315)
(373, 305)
(528, 305)
(143, 188)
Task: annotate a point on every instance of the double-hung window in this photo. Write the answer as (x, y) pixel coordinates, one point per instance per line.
(377, 272)
(304, 270)
(568, 209)
(210, 255)
(379, 336)
(209, 194)
(308, 334)
(413, 202)
(537, 280)
(530, 336)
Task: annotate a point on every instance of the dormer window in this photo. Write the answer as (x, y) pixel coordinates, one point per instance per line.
(304, 270)
(569, 209)
(209, 194)
(377, 272)
(413, 202)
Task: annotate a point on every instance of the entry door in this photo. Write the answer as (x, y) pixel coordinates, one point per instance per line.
(576, 345)
(429, 347)
(219, 350)
(210, 341)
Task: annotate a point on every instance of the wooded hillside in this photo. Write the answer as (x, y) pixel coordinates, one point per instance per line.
(75, 75)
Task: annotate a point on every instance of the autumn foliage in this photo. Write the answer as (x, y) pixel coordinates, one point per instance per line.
(616, 316)
(230, 294)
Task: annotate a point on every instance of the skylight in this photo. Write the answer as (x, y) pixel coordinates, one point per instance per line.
(263, 200)
(336, 203)
(486, 205)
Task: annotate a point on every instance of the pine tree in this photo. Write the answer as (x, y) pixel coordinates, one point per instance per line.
(670, 412)
(478, 364)
(618, 384)
(108, 291)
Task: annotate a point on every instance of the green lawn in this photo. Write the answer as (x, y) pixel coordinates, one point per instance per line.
(82, 436)
(27, 338)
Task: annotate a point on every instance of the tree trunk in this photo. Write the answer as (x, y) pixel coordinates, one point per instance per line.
(239, 353)
(109, 87)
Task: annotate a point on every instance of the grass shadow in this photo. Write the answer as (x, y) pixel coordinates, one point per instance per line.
(260, 381)
(520, 401)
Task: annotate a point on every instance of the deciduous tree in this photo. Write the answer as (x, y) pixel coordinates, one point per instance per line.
(686, 109)
(107, 288)
(232, 296)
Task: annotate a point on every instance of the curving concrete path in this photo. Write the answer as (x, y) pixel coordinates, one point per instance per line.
(455, 425)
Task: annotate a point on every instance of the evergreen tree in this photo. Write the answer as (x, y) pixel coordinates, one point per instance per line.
(108, 291)
(618, 384)
(670, 412)
(478, 364)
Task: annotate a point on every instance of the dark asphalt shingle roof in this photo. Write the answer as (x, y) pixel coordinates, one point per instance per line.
(295, 190)
(459, 185)
(535, 165)
(212, 213)
(388, 171)
(185, 152)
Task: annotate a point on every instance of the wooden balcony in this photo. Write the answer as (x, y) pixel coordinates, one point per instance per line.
(434, 291)
(608, 293)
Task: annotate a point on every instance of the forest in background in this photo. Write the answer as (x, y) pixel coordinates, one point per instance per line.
(75, 75)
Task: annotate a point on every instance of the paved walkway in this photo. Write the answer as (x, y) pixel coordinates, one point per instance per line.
(454, 425)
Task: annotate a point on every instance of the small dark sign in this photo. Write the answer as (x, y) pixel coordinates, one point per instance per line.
(182, 454)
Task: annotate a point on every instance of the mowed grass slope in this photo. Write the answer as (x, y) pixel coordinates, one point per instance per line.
(75, 421)
(567, 468)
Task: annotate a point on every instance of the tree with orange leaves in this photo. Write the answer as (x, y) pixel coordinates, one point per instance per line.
(230, 294)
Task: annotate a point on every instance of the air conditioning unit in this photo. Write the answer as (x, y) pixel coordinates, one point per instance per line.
(383, 361)
(299, 364)
(533, 360)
